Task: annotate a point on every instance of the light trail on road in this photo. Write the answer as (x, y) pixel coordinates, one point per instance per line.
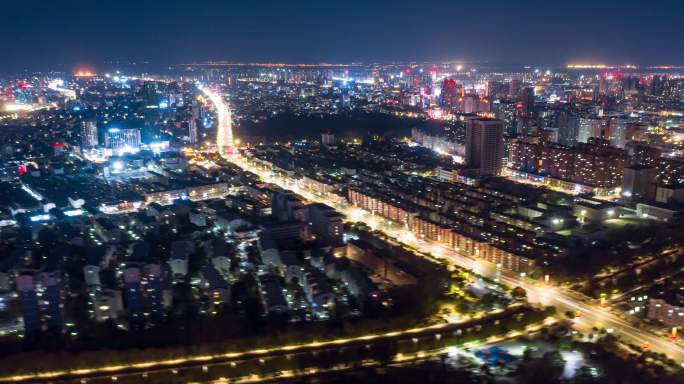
(224, 130)
(181, 361)
(398, 359)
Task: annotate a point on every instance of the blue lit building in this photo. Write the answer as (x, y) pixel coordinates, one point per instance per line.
(122, 140)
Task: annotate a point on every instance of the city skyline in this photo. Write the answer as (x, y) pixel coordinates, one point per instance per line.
(221, 192)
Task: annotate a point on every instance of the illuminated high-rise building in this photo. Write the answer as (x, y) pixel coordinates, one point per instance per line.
(589, 127)
(657, 85)
(122, 139)
(150, 95)
(568, 127)
(197, 111)
(618, 132)
(514, 88)
(493, 89)
(89, 133)
(527, 101)
(470, 103)
(630, 85)
(484, 145)
(192, 131)
(345, 99)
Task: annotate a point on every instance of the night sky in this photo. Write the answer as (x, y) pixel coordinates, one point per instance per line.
(52, 33)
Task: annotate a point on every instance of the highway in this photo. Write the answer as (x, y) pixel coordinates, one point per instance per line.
(224, 129)
(592, 314)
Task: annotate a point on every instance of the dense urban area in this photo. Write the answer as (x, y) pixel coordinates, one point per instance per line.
(219, 222)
